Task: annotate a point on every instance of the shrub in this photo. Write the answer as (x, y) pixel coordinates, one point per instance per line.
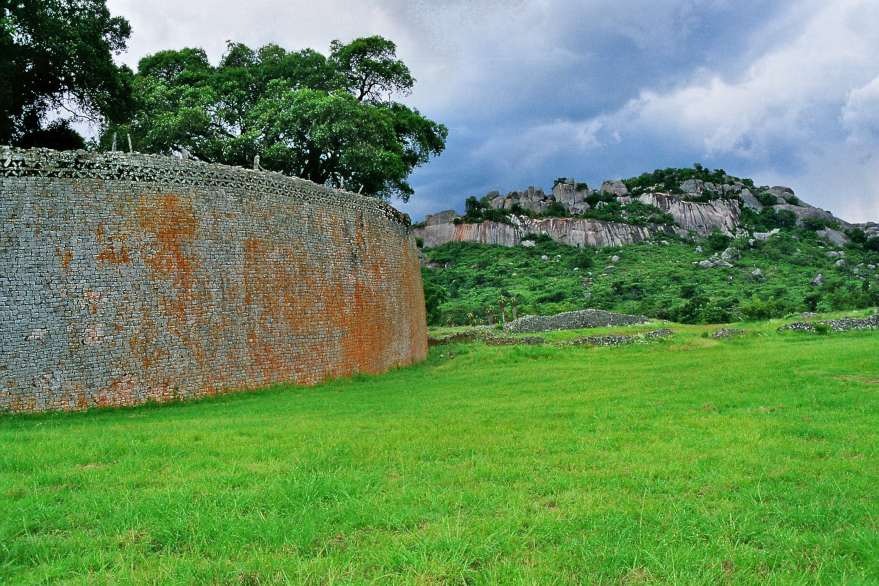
(816, 224)
(434, 297)
(857, 235)
(557, 210)
(766, 199)
(717, 240)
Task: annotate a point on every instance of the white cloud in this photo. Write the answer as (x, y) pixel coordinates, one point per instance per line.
(860, 114)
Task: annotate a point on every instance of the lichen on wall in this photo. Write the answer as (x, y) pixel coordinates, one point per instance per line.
(127, 278)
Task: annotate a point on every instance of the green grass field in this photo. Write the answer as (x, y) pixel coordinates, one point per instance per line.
(688, 461)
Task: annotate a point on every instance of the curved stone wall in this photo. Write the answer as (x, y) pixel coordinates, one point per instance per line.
(127, 278)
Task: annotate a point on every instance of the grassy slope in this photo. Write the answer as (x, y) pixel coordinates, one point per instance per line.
(690, 461)
(658, 281)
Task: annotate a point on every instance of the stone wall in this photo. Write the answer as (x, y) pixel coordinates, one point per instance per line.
(127, 278)
(573, 320)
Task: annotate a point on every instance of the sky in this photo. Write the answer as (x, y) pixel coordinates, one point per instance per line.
(782, 91)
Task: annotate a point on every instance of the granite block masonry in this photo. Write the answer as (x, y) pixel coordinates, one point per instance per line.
(127, 278)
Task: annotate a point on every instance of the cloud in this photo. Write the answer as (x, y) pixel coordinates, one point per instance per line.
(536, 89)
(860, 114)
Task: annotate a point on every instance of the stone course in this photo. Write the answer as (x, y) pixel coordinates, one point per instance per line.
(127, 278)
(843, 324)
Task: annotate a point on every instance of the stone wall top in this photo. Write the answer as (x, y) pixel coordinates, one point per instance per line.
(140, 167)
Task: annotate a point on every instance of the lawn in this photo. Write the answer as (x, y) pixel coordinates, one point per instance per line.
(688, 461)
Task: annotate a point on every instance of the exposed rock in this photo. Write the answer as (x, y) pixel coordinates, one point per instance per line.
(571, 231)
(834, 237)
(730, 254)
(692, 186)
(749, 201)
(764, 236)
(840, 262)
(706, 264)
(702, 217)
(758, 274)
(614, 259)
(817, 281)
(613, 187)
(445, 217)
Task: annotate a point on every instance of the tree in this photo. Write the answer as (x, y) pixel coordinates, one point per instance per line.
(330, 120)
(58, 55)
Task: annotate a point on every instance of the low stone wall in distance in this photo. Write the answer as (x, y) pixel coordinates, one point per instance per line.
(127, 278)
(573, 320)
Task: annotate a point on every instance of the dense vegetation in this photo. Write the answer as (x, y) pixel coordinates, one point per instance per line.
(57, 55)
(670, 180)
(523, 465)
(659, 280)
(329, 119)
(604, 206)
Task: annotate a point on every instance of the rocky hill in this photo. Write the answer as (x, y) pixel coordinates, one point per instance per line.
(683, 202)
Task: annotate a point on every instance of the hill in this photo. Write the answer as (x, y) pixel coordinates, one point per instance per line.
(684, 202)
(767, 261)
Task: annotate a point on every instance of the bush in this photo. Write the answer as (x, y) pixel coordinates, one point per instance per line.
(816, 224)
(766, 199)
(556, 210)
(582, 261)
(434, 297)
(717, 240)
(757, 309)
(857, 235)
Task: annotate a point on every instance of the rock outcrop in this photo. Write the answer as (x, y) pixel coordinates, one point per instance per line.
(571, 231)
(701, 207)
(716, 214)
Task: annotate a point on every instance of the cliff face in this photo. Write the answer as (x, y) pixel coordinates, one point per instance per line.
(717, 214)
(572, 231)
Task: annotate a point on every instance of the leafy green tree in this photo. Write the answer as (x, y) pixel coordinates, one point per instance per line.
(331, 120)
(58, 55)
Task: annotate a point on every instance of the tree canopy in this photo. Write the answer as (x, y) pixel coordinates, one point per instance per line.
(332, 120)
(58, 55)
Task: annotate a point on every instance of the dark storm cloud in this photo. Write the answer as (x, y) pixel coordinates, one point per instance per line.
(783, 91)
